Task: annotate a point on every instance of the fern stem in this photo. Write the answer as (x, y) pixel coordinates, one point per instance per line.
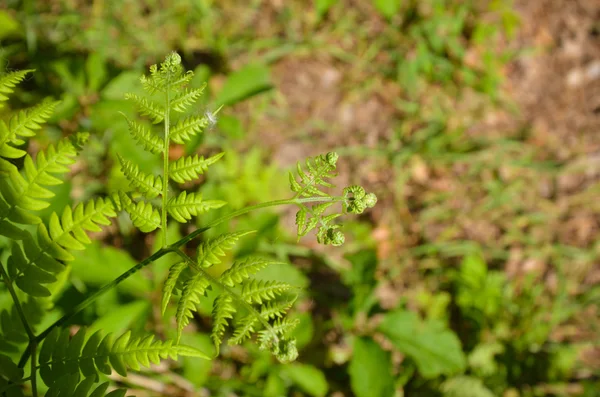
(245, 210)
(32, 347)
(230, 292)
(165, 192)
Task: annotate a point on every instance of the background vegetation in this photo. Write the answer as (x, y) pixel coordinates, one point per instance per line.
(475, 122)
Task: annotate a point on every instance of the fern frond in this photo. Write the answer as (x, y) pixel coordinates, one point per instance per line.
(185, 98)
(320, 169)
(189, 168)
(275, 340)
(144, 137)
(259, 291)
(61, 355)
(9, 81)
(223, 310)
(149, 185)
(170, 283)
(189, 127)
(210, 251)
(194, 288)
(70, 230)
(28, 192)
(143, 215)
(70, 385)
(154, 111)
(6, 150)
(247, 325)
(27, 121)
(183, 207)
(242, 270)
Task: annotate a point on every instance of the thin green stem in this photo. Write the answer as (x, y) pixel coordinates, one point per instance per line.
(32, 348)
(230, 292)
(165, 192)
(245, 210)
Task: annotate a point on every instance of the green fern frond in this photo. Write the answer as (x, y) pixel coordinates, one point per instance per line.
(243, 330)
(242, 270)
(223, 310)
(144, 137)
(61, 355)
(248, 325)
(275, 340)
(70, 230)
(194, 288)
(154, 111)
(170, 283)
(149, 185)
(183, 207)
(28, 192)
(27, 121)
(320, 169)
(6, 150)
(185, 98)
(210, 251)
(259, 291)
(143, 215)
(70, 385)
(9, 81)
(189, 127)
(188, 169)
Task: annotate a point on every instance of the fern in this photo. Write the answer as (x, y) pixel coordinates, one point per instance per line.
(62, 355)
(149, 185)
(9, 81)
(36, 265)
(183, 207)
(188, 169)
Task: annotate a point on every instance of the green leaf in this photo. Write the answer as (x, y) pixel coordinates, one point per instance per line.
(9, 26)
(370, 370)
(465, 386)
(185, 206)
(322, 6)
(435, 349)
(246, 82)
(388, 8)
(9, 369)
(308, 378)
(95, 68)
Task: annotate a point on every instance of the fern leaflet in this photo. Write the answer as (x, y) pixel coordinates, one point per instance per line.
(188, 169)
(183, 207)
(149, 185)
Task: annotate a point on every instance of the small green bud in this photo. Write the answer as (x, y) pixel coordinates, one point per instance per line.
(370, 200)
(332, 158)
(335, 237)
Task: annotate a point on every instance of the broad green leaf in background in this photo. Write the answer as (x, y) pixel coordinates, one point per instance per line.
(126, 316)
(370, 370)
(96, 73)
(465, 386)
(435, 349)
(246, 82)
(322, 6)
(8, 25)
(310, 379)
(388, 8)
(98, 265)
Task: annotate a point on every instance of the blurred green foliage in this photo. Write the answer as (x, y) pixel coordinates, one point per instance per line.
(459, 325)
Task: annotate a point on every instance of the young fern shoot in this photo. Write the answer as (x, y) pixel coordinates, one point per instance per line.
(167, 98)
